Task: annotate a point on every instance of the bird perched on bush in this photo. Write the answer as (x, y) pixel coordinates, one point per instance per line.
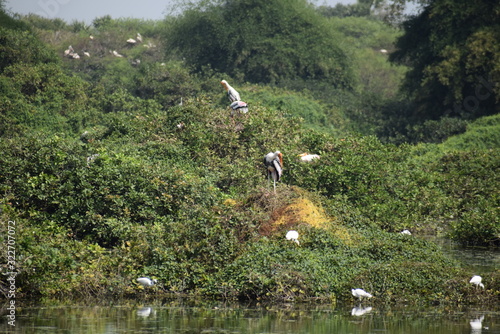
(274, 165)
(239, 106)
(477, 281)
(232, 94)
(308, 157)
(360, 293)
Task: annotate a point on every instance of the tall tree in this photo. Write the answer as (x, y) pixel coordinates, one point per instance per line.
(269, 41)
(453, 50)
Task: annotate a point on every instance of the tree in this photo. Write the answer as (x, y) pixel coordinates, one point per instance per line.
(453, 50)
(268, 41)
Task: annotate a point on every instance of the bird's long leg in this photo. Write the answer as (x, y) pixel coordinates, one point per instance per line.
(274, 183)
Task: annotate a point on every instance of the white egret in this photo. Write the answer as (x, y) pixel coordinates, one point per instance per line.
(383, 51)
(274, 164)
(405, 232)
(139, 38)
(232, 94)
(146, 281)
(293, 236)
(116, 54)
(477, 280)
(308, 157)
(69, 51)
(85, 53)
(131, 41)
(360, 293)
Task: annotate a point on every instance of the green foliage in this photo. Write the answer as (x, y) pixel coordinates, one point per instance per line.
(109, 177)
(453, 70)
(244, 39)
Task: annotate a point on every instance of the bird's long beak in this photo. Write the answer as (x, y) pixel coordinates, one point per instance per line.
(280, 155)
(223, 84)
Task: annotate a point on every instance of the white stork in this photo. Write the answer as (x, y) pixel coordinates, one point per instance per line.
(360, 293)
(308, 157)
(232, 94)
(274, 164)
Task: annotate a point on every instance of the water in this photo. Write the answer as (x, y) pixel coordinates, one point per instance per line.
(185, 317)
(176, 317)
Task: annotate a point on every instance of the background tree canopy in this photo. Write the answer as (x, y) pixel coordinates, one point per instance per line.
(261, 41)
(453, 51)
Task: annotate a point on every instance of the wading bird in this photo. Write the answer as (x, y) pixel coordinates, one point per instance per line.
(232, 94)
(476, 324)
(360, 293)
(477, 281)
(146, 281)
(293, 236)
(308, 157)
(239, 106)
(405, 232)
(274, 164)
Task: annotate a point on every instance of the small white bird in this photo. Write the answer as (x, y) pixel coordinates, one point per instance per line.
(75, 56)
(293, 236)
(274, 165)
(308, 157)
(476, 279)
(139, 37)
(405, 232)
(85, 53)
(232, 94)
(146, 281)
(116, 54)
(383, 51)
(360, 293)
(131, 41)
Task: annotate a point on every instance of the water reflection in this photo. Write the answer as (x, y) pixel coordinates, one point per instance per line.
(359, 311)
(476, 325)
(180, 317)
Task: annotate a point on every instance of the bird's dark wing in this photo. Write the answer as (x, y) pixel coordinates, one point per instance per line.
(277, 166)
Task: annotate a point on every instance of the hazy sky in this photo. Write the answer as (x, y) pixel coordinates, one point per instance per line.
(87, 10)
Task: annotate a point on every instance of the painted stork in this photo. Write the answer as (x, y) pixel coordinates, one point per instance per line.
(232, 94)
(146, 281)
(308, 157)
(293, 236)
(476, 279)
(239, 106)
(274, 164)
(360, 293)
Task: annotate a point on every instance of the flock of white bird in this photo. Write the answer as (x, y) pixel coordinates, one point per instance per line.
(70, 52)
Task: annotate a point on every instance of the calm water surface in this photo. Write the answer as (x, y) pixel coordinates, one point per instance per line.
(175, 317)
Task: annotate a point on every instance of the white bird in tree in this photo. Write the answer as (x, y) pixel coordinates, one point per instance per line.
(360, 293)
(146, 281)
(407, 232)
(232, 94)
(139, 38)
(293, 236)
(131, 41)
(116, 54)
(477, 280)
(308, 157)
(274, 164)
